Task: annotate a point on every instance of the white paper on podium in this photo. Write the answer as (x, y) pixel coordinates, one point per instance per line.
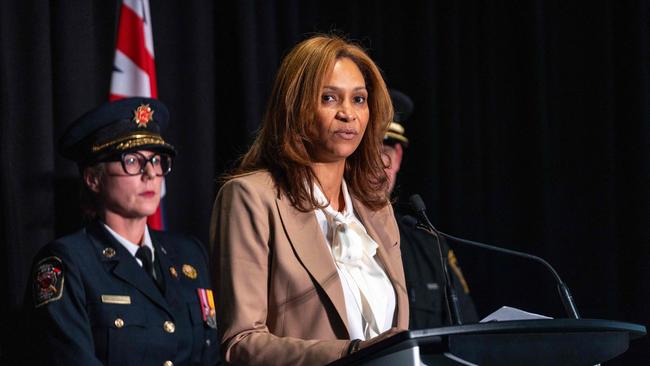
(510, 313)
(502, 314)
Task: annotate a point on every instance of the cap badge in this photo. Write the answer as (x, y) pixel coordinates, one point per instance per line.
(143, 115)
(189, 271)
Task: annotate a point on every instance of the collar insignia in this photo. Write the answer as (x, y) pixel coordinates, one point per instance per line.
(108, 252)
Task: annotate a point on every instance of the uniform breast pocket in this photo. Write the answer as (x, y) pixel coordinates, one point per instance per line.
(120, 333)
(426, 305)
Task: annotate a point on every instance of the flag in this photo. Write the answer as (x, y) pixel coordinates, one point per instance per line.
(134, 69)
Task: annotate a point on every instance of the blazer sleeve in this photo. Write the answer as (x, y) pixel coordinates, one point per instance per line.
(241, 234)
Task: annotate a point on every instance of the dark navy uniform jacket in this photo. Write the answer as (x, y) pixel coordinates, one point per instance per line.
(109, 311)
(423, 278)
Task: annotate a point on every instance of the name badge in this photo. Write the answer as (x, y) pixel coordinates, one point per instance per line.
(116, 299)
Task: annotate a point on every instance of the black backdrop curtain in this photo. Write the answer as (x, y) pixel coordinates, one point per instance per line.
(531, 127)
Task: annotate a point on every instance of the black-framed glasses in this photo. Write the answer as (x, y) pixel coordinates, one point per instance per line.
(134, 163)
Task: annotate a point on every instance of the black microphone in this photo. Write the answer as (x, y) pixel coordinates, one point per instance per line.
(409, 221)
(451, 297)
(565, 295)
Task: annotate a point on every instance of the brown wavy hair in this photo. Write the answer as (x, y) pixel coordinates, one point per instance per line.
(281, 145)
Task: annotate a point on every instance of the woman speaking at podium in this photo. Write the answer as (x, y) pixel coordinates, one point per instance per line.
(306, 248)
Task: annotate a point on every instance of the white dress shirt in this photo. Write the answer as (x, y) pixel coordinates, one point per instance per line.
(132, 247)
(353, 251)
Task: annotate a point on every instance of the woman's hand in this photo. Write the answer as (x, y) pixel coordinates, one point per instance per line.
(387, 334)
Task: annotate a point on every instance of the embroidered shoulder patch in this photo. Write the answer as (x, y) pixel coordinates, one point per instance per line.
(48, 281)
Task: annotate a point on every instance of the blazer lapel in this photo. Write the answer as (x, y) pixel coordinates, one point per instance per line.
(311, 248)
(374, 222)
(124, 266)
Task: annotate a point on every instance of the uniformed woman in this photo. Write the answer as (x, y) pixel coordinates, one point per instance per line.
(117, 292)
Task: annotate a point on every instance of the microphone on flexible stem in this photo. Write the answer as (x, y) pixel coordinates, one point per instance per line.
(451, 297)
(565, 295)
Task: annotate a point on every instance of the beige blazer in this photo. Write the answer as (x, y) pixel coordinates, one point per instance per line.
(279, 299)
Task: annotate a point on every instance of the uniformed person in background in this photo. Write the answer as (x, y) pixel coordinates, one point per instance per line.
(419, 249)
(117, 292)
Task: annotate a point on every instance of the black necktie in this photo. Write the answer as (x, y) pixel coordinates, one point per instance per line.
(144, 255)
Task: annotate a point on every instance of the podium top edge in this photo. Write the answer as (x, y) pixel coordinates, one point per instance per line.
(537, 325)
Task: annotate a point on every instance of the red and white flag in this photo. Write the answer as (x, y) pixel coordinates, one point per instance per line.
(134, 69)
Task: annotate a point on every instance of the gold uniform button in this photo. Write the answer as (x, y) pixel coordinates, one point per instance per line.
(119, 323)
(168, 363)
(169, 327)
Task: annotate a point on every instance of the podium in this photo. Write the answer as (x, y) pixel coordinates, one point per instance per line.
(521, 342)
